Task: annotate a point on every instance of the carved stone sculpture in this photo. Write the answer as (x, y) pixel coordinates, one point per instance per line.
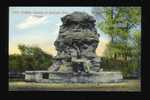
(76, 44)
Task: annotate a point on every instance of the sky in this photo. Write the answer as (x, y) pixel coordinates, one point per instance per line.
(39, 26)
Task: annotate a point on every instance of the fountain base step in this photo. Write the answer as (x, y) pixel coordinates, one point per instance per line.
(58, 77)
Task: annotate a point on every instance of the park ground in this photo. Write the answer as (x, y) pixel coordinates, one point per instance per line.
(126, 85)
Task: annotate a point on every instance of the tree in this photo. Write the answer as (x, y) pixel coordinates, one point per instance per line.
(34, 58)
(31, 58)
(118, 23)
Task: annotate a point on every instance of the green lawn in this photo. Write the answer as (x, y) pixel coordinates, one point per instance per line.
(127, 85)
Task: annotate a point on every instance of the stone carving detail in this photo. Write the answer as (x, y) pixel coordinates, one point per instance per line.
(76, 44)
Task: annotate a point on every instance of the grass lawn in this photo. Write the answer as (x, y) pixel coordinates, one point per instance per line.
(127, 85)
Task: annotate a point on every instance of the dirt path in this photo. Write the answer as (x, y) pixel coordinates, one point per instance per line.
(126, 85)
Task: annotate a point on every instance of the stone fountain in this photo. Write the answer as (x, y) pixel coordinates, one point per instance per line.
(76, 60)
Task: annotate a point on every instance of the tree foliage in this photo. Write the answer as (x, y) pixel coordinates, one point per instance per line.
(31, 58)
(121, 23)
(15, 63)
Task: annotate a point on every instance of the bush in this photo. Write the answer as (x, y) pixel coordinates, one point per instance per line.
(129, 68)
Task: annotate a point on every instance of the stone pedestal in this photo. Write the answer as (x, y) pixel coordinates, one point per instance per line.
(57, 77)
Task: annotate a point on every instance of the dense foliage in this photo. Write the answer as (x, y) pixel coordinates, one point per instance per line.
(31, 58)
(122, 25)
